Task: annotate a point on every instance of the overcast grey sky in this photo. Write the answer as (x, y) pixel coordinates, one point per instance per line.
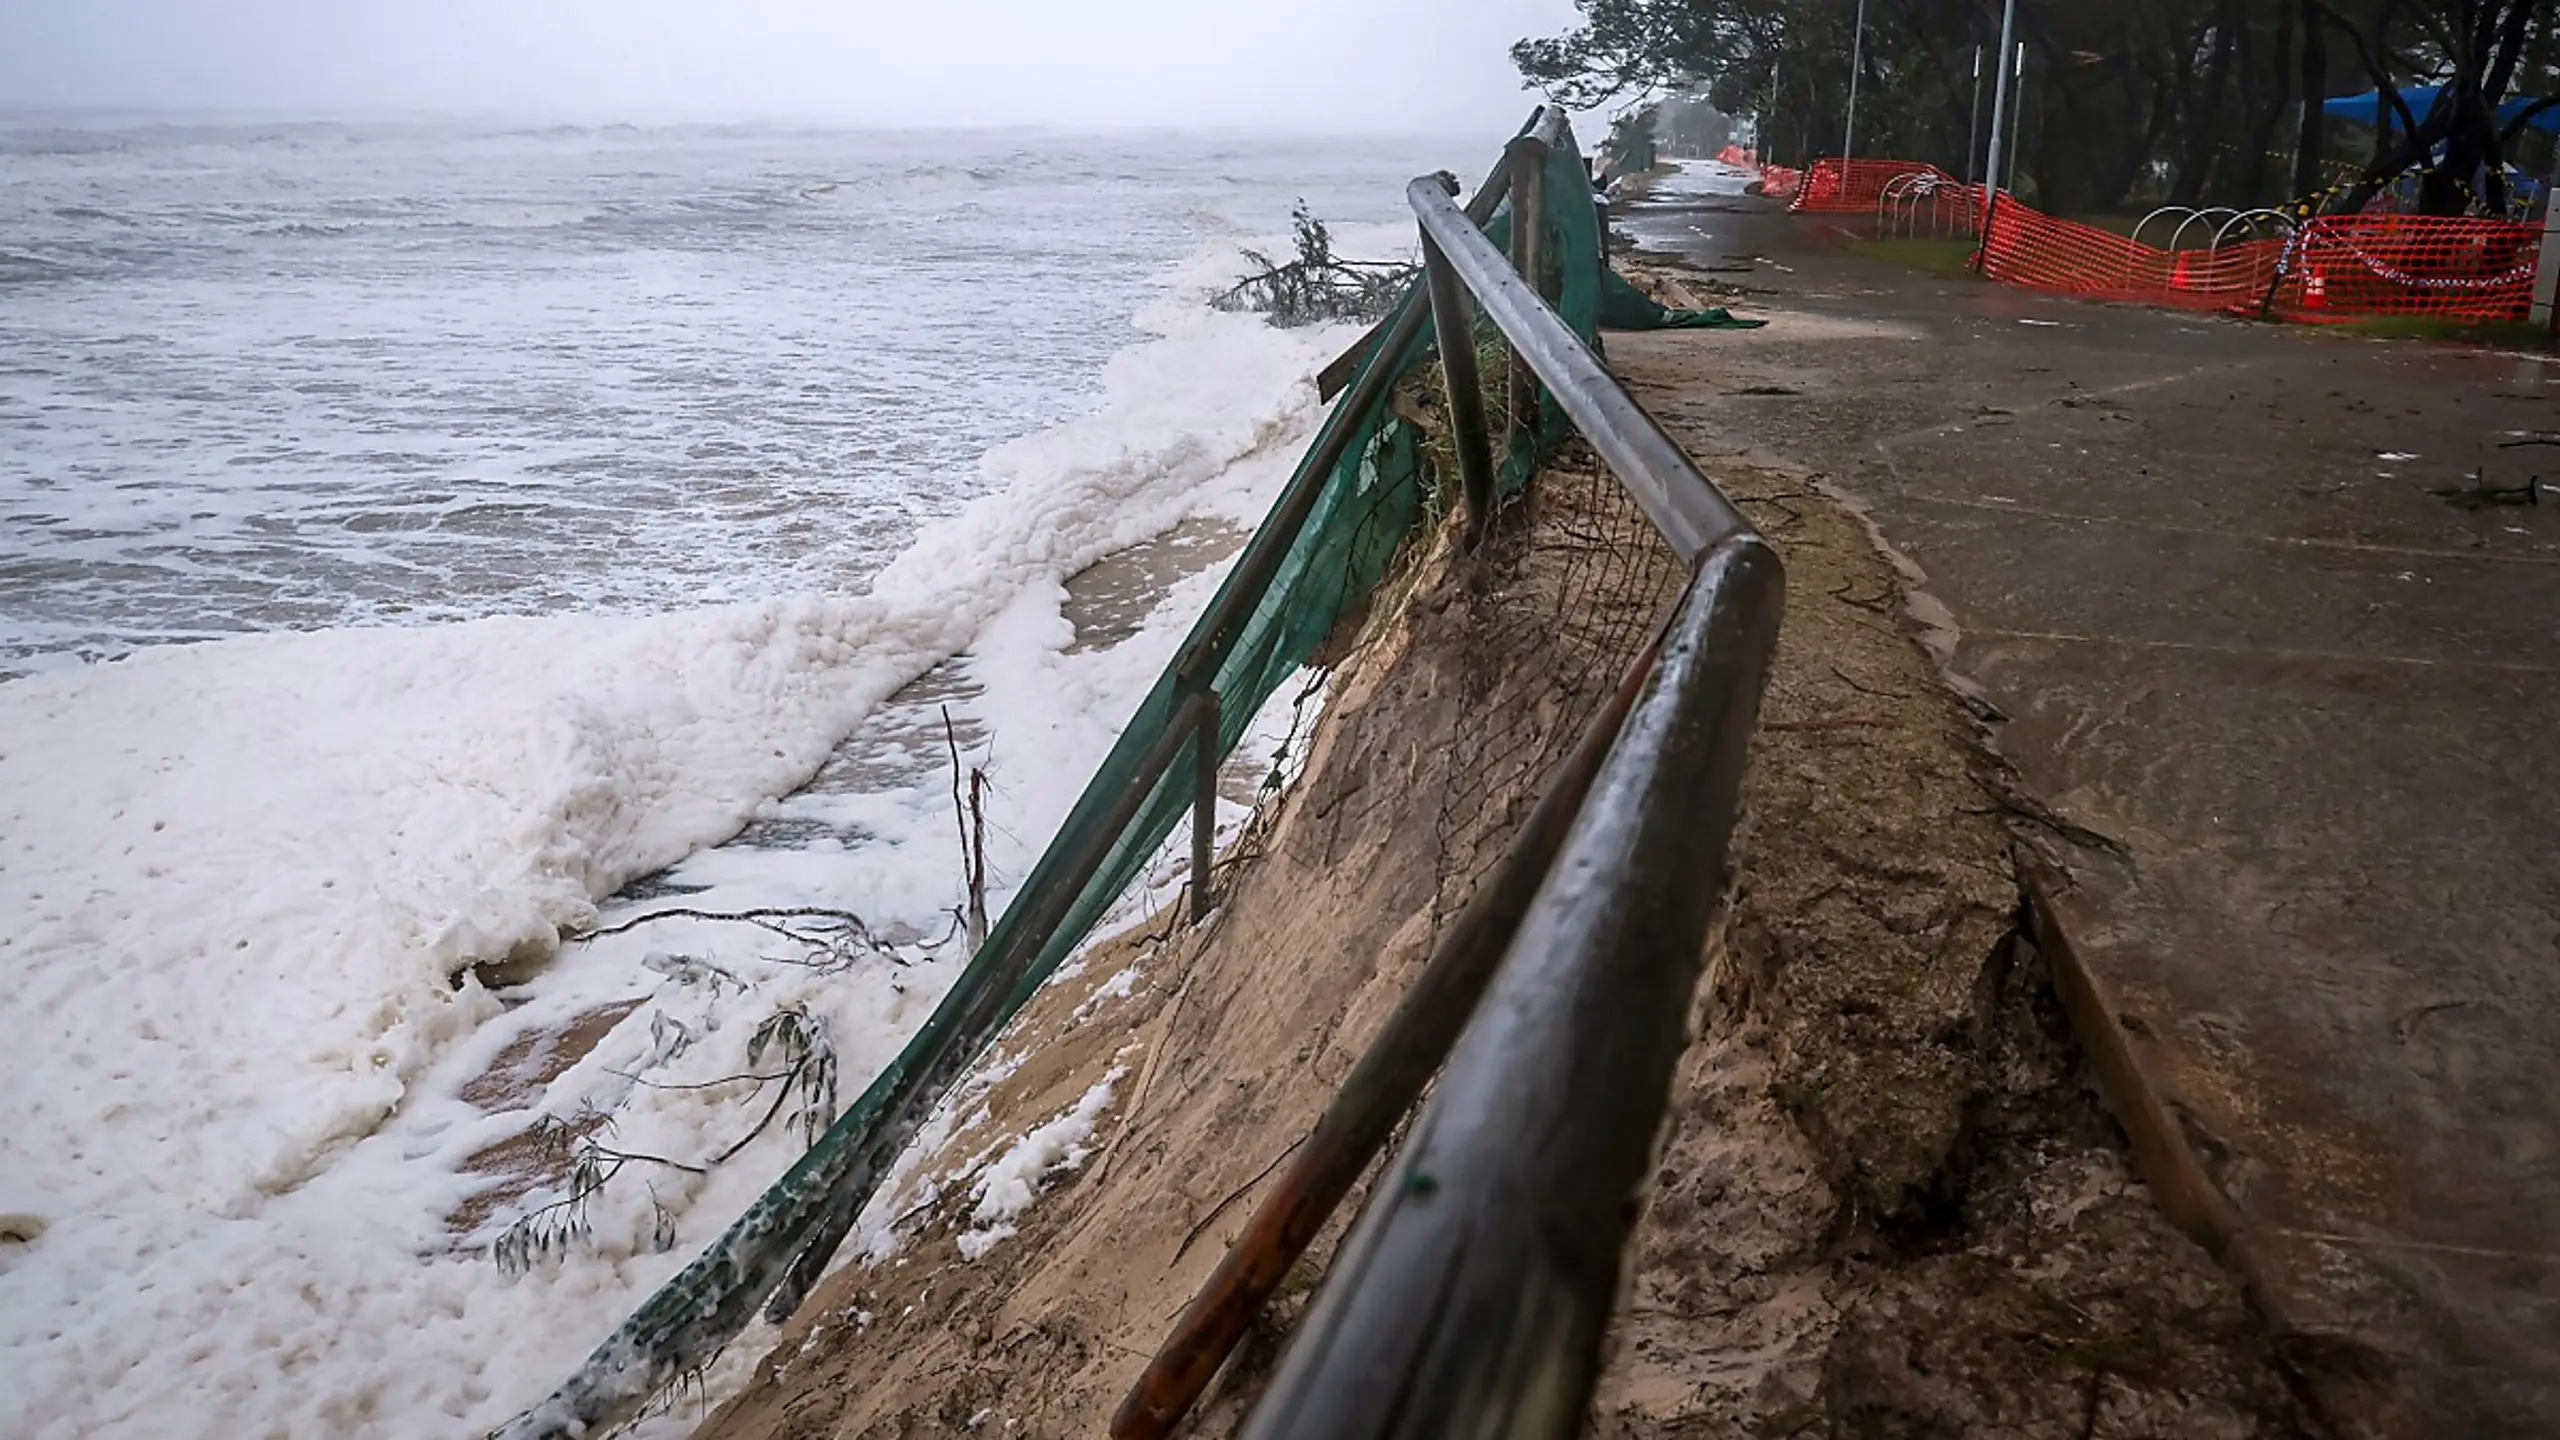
(1404, 65)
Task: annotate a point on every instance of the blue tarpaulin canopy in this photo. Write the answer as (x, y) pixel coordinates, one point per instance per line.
(2420, 97)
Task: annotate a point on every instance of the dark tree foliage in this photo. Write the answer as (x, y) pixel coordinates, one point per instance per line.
(2126, 102)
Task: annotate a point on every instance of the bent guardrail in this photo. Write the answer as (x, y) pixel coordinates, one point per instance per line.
(1474, 1295)
(1342, 516)
(1588, 935)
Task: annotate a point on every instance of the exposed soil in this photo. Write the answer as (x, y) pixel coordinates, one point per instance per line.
(1890, 1204)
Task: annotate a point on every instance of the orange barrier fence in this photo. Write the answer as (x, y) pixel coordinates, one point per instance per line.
(2334, 267)
(2328, 268)
(2356, 265)
(2027, 247)
(1858, 185)
(1928, 203)
(1776, 181)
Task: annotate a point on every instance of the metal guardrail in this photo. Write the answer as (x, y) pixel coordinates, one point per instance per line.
(777, 1252)
(1474, 1296)
(1569, 971)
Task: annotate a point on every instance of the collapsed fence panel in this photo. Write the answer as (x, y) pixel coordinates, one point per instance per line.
(1777, 182)
(2025, 247)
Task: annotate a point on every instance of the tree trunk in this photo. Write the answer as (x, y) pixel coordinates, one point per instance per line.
(2197, 164)
(2267, 102)
(2309, 143)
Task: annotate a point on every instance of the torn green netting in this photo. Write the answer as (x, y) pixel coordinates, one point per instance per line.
(1367, 507)
(1624, 307)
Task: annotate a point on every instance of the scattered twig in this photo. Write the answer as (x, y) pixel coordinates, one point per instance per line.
(1853, 722)
(971, 817)
(1874, 604)
(1845, 679)
(1232, 1197)
(801, 1038)
(1163, 1027)
(763, 917)
(2480, 494)
(621, 1157)
(779, 1097)
(591, 1165)
(1783, 503)
(638, 1079)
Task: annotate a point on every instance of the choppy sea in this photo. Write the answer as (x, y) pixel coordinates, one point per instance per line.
(270, 376)
(435, 557)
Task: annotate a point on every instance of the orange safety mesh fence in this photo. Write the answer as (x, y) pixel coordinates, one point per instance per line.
(1776, 181)
(2030, 248)
(1928, 203)
(1856, 185)
(2349, 266)
(2332, 268)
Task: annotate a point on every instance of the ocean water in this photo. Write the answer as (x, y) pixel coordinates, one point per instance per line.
(411, 538)
(303, 376)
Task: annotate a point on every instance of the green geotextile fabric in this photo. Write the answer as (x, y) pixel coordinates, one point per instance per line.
(1366, 508)
(1620, 305)
(1624, 307)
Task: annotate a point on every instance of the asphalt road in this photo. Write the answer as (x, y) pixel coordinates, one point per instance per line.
(2199, 571)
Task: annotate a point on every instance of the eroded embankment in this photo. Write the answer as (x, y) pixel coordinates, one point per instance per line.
(1889, 1204)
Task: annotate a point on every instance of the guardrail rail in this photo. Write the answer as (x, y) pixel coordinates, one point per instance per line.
(1478, 1287)
(1474, 1297)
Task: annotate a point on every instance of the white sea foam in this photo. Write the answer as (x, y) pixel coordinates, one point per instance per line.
(1698, 180)
(1011, 1181)
(245, 883)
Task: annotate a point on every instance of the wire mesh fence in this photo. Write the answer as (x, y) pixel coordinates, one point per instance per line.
(1575, 581)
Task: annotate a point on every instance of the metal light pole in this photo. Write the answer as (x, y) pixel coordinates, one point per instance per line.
(1768, 124)
(2018, 120)
(1857, 62)
(1999, 113)
(1973, 121)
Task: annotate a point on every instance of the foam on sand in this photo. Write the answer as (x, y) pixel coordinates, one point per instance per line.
(244, 886)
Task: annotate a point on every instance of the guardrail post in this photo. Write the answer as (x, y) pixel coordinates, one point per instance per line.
(2546, 278)
(1455, 320)
(1528, 157)
(1204, 802)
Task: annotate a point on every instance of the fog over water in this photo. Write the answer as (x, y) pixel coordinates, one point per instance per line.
(1433, 66)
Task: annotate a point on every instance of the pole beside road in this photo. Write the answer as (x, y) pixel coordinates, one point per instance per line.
(1973, 121)
(1857, 62)
(1999, 112)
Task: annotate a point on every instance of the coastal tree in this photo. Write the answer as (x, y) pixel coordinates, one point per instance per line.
(2130, 103)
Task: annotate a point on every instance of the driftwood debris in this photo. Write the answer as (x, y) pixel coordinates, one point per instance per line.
(1318, 286)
